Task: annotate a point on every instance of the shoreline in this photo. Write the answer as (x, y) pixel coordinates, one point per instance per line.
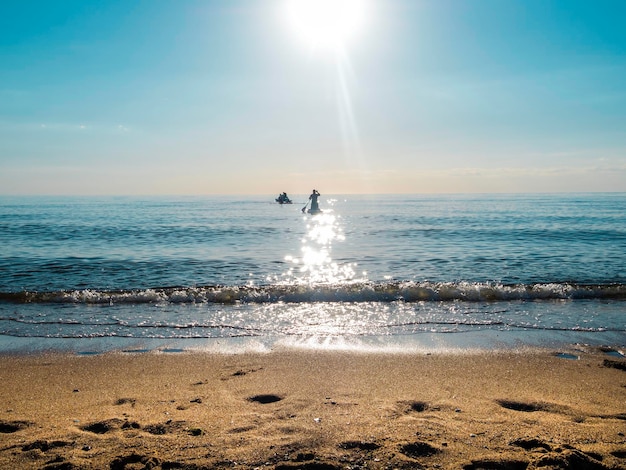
(314, 410)
(487, 340)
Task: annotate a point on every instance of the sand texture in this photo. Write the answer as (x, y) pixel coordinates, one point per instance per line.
(313, 410)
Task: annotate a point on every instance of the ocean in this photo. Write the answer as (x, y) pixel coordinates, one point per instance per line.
(372, 272)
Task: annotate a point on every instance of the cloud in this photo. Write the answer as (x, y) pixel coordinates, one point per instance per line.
(59, 126)
(519, 172)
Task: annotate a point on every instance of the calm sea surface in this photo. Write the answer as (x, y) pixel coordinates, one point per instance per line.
(370, 272)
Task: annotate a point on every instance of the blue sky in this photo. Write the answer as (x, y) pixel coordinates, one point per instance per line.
(218, 97)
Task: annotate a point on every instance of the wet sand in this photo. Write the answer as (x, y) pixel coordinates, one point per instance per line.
(313, 410)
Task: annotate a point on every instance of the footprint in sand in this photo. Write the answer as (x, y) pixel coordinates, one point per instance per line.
(507, 464)
(530, 443)
(121, 462)
(571, 458)
(126, 401)
(613, 364)
(419, 449)
(8, 427)
(103, 427)
(308, 466)
(359, 445)
(165, 428)
(530, 407)
(45, 446)
(265, 399)
(418, 406)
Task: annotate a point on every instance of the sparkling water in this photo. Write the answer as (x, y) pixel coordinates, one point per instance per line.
(370, 272)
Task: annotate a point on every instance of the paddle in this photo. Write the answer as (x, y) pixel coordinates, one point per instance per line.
(304, 208)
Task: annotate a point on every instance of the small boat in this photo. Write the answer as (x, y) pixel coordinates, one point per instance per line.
(283, 199)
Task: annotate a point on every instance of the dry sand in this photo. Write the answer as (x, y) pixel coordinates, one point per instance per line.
(313, 410)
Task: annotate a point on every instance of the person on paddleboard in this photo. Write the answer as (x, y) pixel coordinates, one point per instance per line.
(314, 205)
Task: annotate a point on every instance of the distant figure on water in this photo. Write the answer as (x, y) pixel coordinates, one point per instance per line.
(283, 199)
(315, 208)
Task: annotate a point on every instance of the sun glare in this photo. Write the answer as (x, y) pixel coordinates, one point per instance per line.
(327, 24)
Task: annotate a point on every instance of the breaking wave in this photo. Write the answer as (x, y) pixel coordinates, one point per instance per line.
(408, 291)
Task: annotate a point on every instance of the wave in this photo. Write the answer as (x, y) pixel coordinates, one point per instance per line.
(407, 291)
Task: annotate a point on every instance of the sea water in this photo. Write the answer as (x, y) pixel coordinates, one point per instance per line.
(371, 272)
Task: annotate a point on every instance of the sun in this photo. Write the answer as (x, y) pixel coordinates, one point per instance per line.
(326, 24)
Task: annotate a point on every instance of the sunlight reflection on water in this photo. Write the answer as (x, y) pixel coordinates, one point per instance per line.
(315, 264)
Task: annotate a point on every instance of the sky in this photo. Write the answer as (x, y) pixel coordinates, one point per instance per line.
(196, 97)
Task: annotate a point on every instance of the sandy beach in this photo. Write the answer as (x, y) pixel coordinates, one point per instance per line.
(313, 410)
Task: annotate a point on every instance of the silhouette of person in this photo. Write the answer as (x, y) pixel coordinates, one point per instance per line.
(314, 205)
